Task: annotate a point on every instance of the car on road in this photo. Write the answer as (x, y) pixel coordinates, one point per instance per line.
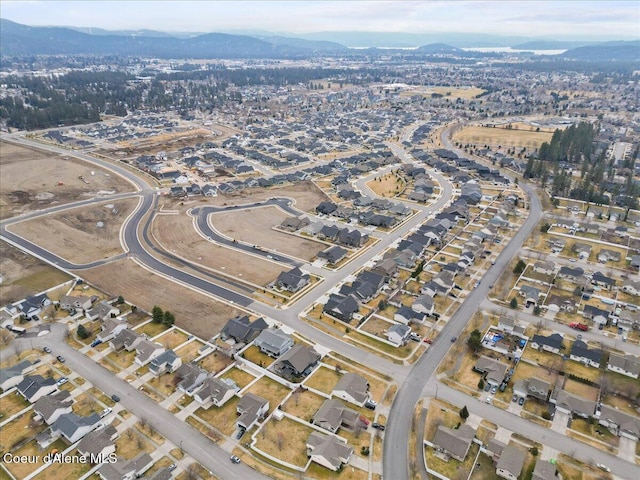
(46, 350)
(270, 257)
(453, 339)
(378, 426)
(115, 398)
(428, 340)
(489, 400)
(62, 381)
(514, 398)
(477, 284)
(106, 412)
(60, 358)
(492, 285)
(234, 459)
(602, 466)
(521, 401)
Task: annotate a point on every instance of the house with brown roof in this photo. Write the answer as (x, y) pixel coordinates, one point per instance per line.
(454, 443)
(328, 451)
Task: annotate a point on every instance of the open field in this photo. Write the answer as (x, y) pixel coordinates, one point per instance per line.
(194, 312)
(255, 226)
(176, 232)
(30, 180)
(388, 185)
(80, 235)
(501, 136)
(449, 92)
(24, 275)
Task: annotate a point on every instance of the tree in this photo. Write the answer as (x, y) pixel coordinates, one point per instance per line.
(537, 310)
(120, 300)
(464, 413)
(82, 332)
(519, 268)
(544, 228)
(481, 384)
(157, 315)
(168, 318)
(513, 303)
(475, 340)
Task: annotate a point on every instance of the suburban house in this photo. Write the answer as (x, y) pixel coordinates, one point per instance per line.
(294, 223)
(424, 304)
(110, 328)
(333, 254)
(72, 427)
(572, 274)
(13, 375)
(545, 267)
(582, 249)
(510, 463)
(607, 255)
(531, 295)
(342, 307)
(494, 449)
(620, 423)
(34, 387)
(273, 342)
(242, 329)
(580, 352)
(33, 305)
(493, 370)
(146, 351)
(333, 415)
(298, 362)
(191, 377)
(572, 404)
(631, 287)
(626, 365)
(251, 408)
(126, 339)
(293, 280)
(126, 469)
(454, 443)
(70, 303)
(532, 387)
(50, 407)
(352, 388)
(102, 311)
(399, 334)
(167, 362)
(601, 280)
(216, 391)
(544, 470)
(328, 451)
(551, 343)
(406, 315)
(99, 443)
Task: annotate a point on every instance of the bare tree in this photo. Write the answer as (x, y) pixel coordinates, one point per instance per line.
(17, 349)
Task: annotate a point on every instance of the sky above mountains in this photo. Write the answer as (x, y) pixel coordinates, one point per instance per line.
(578, 19)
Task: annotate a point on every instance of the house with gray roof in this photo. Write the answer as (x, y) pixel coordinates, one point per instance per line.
(333, 254)
(544, 266)
(102, 311)
(273, 342)
(293, 280)
(216, 391)
(580, 352)
(126, 469)
(328, 451)
(110, 328)
(33, 305)
(532, 387)
(72, 427)
(544, 470)
(551, 343)
(99, 443)
(127, 339)
(167, 362)
(624, 364)
(454, 442)
(572, 404)
(50, 407)
(398, 334)
(191, 377)
(342, 307)
(510, 463)
(531, 295)
(298, 362)
(34, 387)
(70, 303)
(407, 315)
(251, 408)
(620, 423)
(352, 388)
(242, 329)
(13, 375)
(493, 370)
(333, 415)
(146, 351)
(424, 304)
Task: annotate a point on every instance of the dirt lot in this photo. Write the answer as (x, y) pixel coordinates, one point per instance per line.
(255, 226)
(449, 92)
(194, 312)
(176, 232)
(30, 180)
(80, 235)
(501, 136)
(24, 275)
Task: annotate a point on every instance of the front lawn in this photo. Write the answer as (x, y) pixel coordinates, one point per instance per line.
(285, 439)
(270, 390)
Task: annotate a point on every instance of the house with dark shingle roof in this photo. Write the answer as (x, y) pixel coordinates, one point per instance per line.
(572, 404)
(626, 365)
(298, 362)
(328, 451)
(551, 343)
(342, 307)
(50, 407)
(72, 427)
(13, 375)
(333, 415)
(293, 280)
(333, 254)
(544, 470)
(242, 330)
(251, 408)
(493, 370)
(167, 362)
(99, 443)
(580, 352)
(34, 387)
(352, 388)
(454, 442)
(510, 463)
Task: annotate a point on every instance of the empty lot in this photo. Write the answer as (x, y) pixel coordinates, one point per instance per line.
(478, 135)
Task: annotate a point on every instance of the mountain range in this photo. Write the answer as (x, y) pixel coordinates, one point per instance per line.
(18, 39)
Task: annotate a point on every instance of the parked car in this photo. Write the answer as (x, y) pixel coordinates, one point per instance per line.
(60, 358)
(494, 389)
(115, 398)
(602, 466)
(514, 398)
(487, 387)
(172, 467)
(106, 412)
(415, 337)
(240, 433)
(370, 404)
(489, 400)
(428, 340)
(378, 426)
(234, 459)
(96, 342)
(62, 381)
(46, 350)
(521, 401)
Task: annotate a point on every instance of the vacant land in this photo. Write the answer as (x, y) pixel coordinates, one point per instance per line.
(501, 137)
(80, 235)
(388, 185)
(24, 275)
(195, 312)
(176, 232)
(449, 92)
(33, 179)
(256, 226)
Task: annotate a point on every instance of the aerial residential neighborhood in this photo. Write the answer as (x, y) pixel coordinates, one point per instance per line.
(238, 256)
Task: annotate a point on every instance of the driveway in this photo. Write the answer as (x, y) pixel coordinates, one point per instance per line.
(627, 449)
(560, 422)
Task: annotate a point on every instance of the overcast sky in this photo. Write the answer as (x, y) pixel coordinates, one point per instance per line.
(577, 18)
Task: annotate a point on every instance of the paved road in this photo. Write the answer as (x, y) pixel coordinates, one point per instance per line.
(176, 431)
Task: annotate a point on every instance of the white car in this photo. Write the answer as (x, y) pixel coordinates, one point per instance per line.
(62, 381)
(489, 400)
(106, 412)
(602, 466)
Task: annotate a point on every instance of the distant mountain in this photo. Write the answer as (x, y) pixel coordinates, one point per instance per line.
(438, 49)
(17, 39)
(120, 33)
(617, 51)
(549, 45)
(321, 46)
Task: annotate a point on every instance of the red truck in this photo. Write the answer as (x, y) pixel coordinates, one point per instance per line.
(579, 326)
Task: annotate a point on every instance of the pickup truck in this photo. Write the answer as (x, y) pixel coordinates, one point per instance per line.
(579, 326)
